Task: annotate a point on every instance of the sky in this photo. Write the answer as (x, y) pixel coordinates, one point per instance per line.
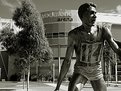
(7, 7)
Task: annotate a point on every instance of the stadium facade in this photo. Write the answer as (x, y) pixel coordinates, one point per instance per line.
(6, 61)
(57, 25)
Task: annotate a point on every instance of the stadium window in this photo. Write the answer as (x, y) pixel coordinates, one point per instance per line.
(49, 35)
(61, 34)
(55, 35)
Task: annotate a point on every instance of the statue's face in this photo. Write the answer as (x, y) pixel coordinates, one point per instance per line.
(89, 17)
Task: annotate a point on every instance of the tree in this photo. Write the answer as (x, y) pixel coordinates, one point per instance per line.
(30, 44)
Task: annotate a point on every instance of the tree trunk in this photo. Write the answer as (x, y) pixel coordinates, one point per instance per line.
(24, 80)
(28, 75)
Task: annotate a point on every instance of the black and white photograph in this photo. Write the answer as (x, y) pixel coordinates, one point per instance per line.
(60, 45)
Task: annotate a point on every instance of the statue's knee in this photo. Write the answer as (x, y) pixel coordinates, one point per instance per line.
(79, 86)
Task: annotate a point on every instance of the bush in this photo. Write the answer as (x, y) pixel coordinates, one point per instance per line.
(33, 77)
(15, 77)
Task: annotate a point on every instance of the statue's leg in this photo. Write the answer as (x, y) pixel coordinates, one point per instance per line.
(77, 82)
(99, 85)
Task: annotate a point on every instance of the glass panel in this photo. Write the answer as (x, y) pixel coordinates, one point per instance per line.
(49, 35)
(61, 34)
(55, 35)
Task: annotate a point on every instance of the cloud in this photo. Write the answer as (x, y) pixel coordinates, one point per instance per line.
(118, 9)
(19, 2)
(9, 5)
(6, 3)
(110, 11)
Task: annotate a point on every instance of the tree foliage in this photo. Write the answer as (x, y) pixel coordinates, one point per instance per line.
(31, 38)
(30, 43)
(8, 40)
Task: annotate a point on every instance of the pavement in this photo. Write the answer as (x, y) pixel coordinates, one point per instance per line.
(48, 86)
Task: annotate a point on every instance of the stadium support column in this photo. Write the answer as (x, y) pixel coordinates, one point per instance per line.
(116, 76)
(116, 73)
(53, 67)
(109, 26)
(59, 66)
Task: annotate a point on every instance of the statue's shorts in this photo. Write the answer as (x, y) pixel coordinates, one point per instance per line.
(89, 72)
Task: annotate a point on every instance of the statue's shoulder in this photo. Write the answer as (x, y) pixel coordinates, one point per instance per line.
(74, 31)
